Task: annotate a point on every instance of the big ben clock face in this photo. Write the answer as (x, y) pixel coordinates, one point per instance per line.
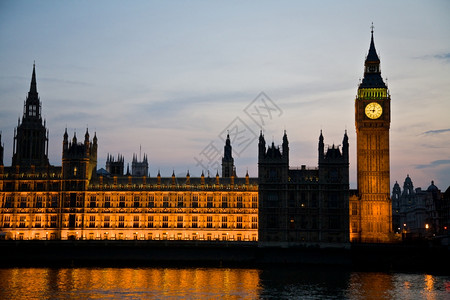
(373, 110)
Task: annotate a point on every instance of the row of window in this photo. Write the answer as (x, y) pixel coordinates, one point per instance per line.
(138, 222)
(148, 236)
(24, 202)
(39, 222)
(179, 201)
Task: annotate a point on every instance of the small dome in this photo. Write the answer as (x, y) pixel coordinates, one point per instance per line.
(408, 179)
(432, 187)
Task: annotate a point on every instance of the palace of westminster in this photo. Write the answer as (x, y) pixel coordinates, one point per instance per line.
(282, 205)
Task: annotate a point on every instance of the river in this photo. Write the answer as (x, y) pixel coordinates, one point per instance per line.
(218, 283)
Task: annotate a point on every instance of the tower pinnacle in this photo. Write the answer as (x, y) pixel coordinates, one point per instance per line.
(33, 87)
(372, 73)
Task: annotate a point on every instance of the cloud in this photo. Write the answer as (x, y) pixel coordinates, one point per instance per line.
(435, 163)
(432, 146)
(436, 131)
(444, 57)
(64, 81)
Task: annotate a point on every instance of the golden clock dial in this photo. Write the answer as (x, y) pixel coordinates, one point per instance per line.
(373, 110)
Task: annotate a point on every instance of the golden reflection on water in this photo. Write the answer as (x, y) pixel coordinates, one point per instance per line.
(129, 283)
(371, 285)
(429, 282)
(398, 286)
(216, 283)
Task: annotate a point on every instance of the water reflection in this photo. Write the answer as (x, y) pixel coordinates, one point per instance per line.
(211, 283)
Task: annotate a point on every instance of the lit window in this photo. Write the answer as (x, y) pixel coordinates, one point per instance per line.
(224, 222)
(239, 222)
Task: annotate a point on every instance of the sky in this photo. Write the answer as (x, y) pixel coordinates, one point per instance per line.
(173, 77)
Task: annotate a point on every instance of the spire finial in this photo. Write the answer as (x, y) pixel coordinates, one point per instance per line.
(33, 88)
(372, 27)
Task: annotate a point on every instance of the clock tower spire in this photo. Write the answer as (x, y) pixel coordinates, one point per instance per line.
(372, 222)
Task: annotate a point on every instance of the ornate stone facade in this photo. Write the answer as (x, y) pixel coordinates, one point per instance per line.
(40, 201)
(370, 209)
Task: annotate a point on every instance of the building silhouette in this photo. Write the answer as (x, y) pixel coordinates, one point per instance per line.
(303, 205)
(113, 166)
(418, 213)
(228, 168)
(139, 167)
(31, 136)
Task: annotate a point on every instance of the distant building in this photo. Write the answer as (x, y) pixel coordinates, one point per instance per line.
(228, 168)
(418, 213)
(139, 167)
(115, 167)
(445, 212)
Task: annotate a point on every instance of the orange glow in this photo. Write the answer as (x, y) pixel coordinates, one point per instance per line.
(429, 282)
(142, 283)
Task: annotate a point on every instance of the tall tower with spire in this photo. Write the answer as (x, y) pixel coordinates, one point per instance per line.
(31, 136)
(139, 167)
(372, 120)
(228, 169)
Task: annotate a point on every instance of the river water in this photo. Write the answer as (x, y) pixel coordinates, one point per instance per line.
(218, 283)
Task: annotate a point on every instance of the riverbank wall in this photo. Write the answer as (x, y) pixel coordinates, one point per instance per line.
(219, 254)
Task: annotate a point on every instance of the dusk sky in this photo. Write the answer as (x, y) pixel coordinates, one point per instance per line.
(174, 76)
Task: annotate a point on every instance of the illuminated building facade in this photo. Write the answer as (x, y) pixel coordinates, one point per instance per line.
(283, 205)
(40, 201)
(370, 210)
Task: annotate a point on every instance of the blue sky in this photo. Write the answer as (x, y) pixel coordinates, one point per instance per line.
(173, 76)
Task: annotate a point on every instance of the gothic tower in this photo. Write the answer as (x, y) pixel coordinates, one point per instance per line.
(31, 136)
(273, 174)
(139, 167)
(115, 167)
(228, 169)
(79, 162)
(396, 206)
(372, 120)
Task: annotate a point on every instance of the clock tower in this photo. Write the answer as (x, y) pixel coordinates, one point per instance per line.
(372, 208)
